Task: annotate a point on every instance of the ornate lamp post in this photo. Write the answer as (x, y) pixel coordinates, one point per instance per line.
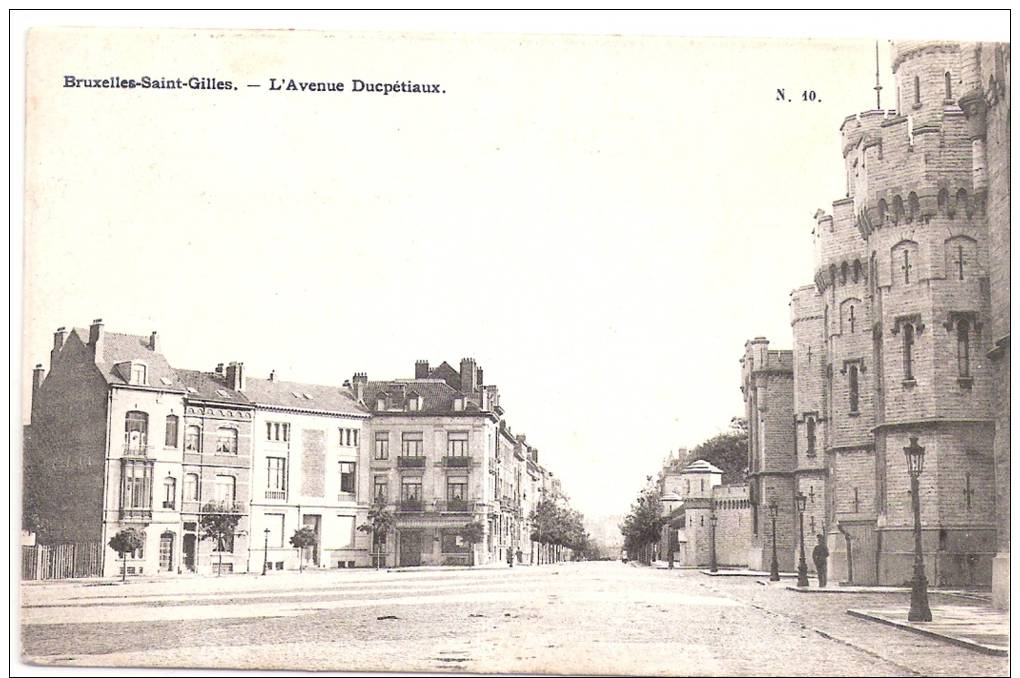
(802, 579)
(919, 610)
(713, 566)
(265, 554)
(773, 512)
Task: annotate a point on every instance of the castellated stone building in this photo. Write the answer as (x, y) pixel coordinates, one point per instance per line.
(905, 332)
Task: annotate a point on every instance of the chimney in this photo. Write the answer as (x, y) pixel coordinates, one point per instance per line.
(480, 382)
(235, 376)
(468, 375)
(59, 337)
(534, 454)
(421, 369)
(359, 380)
(96, 339)
(219, 369)
(38, 374)
(153, 341)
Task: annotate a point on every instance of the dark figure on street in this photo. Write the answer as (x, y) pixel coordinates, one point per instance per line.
(510, 557)
(820, 555)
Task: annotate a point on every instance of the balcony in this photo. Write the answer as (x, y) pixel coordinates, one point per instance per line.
(410, 505)
(136, 515)
(454, 506)
(137, 449)
(276, 494)
(410, 462)
(457, 462)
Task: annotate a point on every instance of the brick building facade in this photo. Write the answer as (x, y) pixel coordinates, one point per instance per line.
(903, 333)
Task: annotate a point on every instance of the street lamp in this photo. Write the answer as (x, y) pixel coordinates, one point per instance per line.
(919, 610)
(802, 579)
(773, 512)
(265, 554)
(713, 566)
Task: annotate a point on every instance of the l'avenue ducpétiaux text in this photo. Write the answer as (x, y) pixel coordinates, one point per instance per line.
(283, 84)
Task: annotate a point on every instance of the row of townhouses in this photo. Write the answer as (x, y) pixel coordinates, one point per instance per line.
(119, 438)
(901, 343)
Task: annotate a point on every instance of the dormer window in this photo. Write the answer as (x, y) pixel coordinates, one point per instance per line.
(414, 403)
(380, 403)
(138, 374)
(458, 404)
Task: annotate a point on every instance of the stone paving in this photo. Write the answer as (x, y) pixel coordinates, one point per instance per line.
(978, 628)
(569, 618)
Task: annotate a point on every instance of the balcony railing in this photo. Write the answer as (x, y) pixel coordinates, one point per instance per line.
(411, 505)
(457, 462)
(136, 514)
(276, 494)
(136, 449)
(455, 506)
(411, 462)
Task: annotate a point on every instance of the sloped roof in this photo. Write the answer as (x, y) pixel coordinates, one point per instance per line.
(436, 395)
(447, 373)
(120, 348)
(701, 466)
(209, 386)
(299, 396)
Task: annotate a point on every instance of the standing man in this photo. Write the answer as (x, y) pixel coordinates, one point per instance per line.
(820, 555)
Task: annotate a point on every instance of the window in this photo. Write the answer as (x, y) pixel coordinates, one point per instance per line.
(811, 437)
(457, 444)
(136, 487)
(381, 488)
(348, 437)
(382, 445)
(193, 439)
(138, 374)
(190, 487)
(136, 431)
(411, 444)
(410, 489)
(963, 348)
(458, 404)
(225, 489)
(277, 431)
(917, 91)
(345, 531)
(356, 433)
(854, 389)
(276, 477)
(949, 85)
(226, 441)
(456, 489)
(414, 403)
(171, 431)
(908, 352)
(347, 477)
(169, 493)
(453, 542)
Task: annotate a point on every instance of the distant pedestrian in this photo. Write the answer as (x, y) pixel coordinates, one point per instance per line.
(820, 555)
(510, 557)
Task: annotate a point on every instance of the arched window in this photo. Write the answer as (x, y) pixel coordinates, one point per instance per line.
(832, 274)
(949, 85)
(226, 440)
(898, 213)
(857, 270)
(961, 202)
(963, 348)
(883, 210)
(193, 439)
(854, 389)
(908, 352)
(190, 487)
(914, 207)
(944, 201)
(917, 90)
(811, 439)
(136, 431)
(171, 431)
(843, 272)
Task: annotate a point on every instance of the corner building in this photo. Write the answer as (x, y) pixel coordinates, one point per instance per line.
(902, 333)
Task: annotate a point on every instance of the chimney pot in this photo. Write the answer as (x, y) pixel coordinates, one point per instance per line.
(468, 375)
(96, 338)
(421, 369)
(235, 375)
(38, 374)
(153, 341)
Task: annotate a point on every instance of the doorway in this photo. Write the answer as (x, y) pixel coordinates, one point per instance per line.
(410, 548)
(166, 552)
(189, 552)
(314, 522)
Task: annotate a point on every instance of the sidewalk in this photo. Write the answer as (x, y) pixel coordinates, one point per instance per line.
(981, 629)
(751, 573)
(962, 593)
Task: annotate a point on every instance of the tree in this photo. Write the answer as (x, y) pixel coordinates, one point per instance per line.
(642, 527)
(124, 542)
(727, 450)
(218, 524)
(473, 533)
(380, 522)
(302, 539)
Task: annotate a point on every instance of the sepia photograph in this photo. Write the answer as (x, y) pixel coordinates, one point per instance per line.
(455, 343)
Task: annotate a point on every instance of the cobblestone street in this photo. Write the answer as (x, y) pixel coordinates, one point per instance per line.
(569, 618)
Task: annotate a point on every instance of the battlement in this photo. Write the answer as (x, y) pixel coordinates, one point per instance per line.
(759, 358)
(805, 304)
(838, 244)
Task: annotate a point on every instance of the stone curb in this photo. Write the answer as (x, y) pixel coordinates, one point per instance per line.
(954, 640)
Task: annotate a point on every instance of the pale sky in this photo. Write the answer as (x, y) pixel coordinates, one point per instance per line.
(600, 222)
